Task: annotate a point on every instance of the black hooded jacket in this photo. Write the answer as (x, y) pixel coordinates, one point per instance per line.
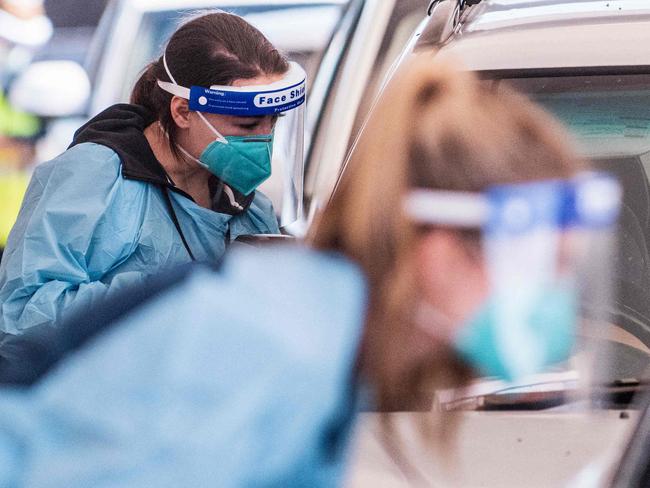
(121, 128)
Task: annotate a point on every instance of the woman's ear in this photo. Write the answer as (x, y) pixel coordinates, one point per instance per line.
(180, 112)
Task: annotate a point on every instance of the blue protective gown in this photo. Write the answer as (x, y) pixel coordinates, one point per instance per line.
(85, 231)
(242, 378)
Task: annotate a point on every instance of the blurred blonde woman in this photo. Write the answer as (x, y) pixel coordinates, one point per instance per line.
(253, 375)
(436, 129)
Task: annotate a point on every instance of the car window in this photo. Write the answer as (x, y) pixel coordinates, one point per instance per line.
(608, 115)
(405, 18)
(343, 116)
(609, 119)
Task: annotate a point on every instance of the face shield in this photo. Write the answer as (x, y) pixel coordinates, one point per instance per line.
(272, 163)
(547, 250)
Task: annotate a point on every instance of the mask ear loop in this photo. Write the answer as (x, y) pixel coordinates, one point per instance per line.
(220, 138)
(222, 187)
(182, 92)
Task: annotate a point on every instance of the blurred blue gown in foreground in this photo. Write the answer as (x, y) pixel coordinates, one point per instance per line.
(233, 379)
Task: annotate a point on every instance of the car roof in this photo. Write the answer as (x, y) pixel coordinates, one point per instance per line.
(161, 5)
(491, 15)
(528, 34)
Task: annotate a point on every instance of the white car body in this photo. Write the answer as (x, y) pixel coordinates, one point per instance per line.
(567, 445)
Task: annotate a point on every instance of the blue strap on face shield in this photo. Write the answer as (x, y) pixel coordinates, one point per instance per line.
(596, 201)
(589, 201)
(246, 101)
(247, 104)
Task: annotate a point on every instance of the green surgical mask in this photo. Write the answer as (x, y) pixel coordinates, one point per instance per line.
(242, 162)
(549, 332)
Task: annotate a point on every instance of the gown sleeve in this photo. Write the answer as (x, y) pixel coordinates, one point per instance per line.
(236, 379)
(79, 220)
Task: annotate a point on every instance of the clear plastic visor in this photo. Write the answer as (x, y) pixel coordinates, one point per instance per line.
(548, 249)
(285, 186)
(285, 99)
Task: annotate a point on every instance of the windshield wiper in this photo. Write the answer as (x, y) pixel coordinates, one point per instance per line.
(618, 394)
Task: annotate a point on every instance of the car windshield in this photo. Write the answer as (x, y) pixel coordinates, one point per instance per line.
(608, 115)
(609, 118)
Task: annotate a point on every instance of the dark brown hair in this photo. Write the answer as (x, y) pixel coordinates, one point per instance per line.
(211, 48)
(439, 128)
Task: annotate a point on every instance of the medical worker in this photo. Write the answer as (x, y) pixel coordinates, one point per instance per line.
(251, 376)
(170, 178)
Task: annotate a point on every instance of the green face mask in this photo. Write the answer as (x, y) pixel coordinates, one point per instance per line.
(549, 331)
(242, 162)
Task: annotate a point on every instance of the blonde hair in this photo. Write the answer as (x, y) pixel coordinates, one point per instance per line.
(440, 128)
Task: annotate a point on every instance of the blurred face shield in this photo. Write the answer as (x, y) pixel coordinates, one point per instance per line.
(246, 162)
(548, 247)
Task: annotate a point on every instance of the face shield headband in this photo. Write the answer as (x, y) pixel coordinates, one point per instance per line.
(243, 101)
(589, 201)
(537, 241)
